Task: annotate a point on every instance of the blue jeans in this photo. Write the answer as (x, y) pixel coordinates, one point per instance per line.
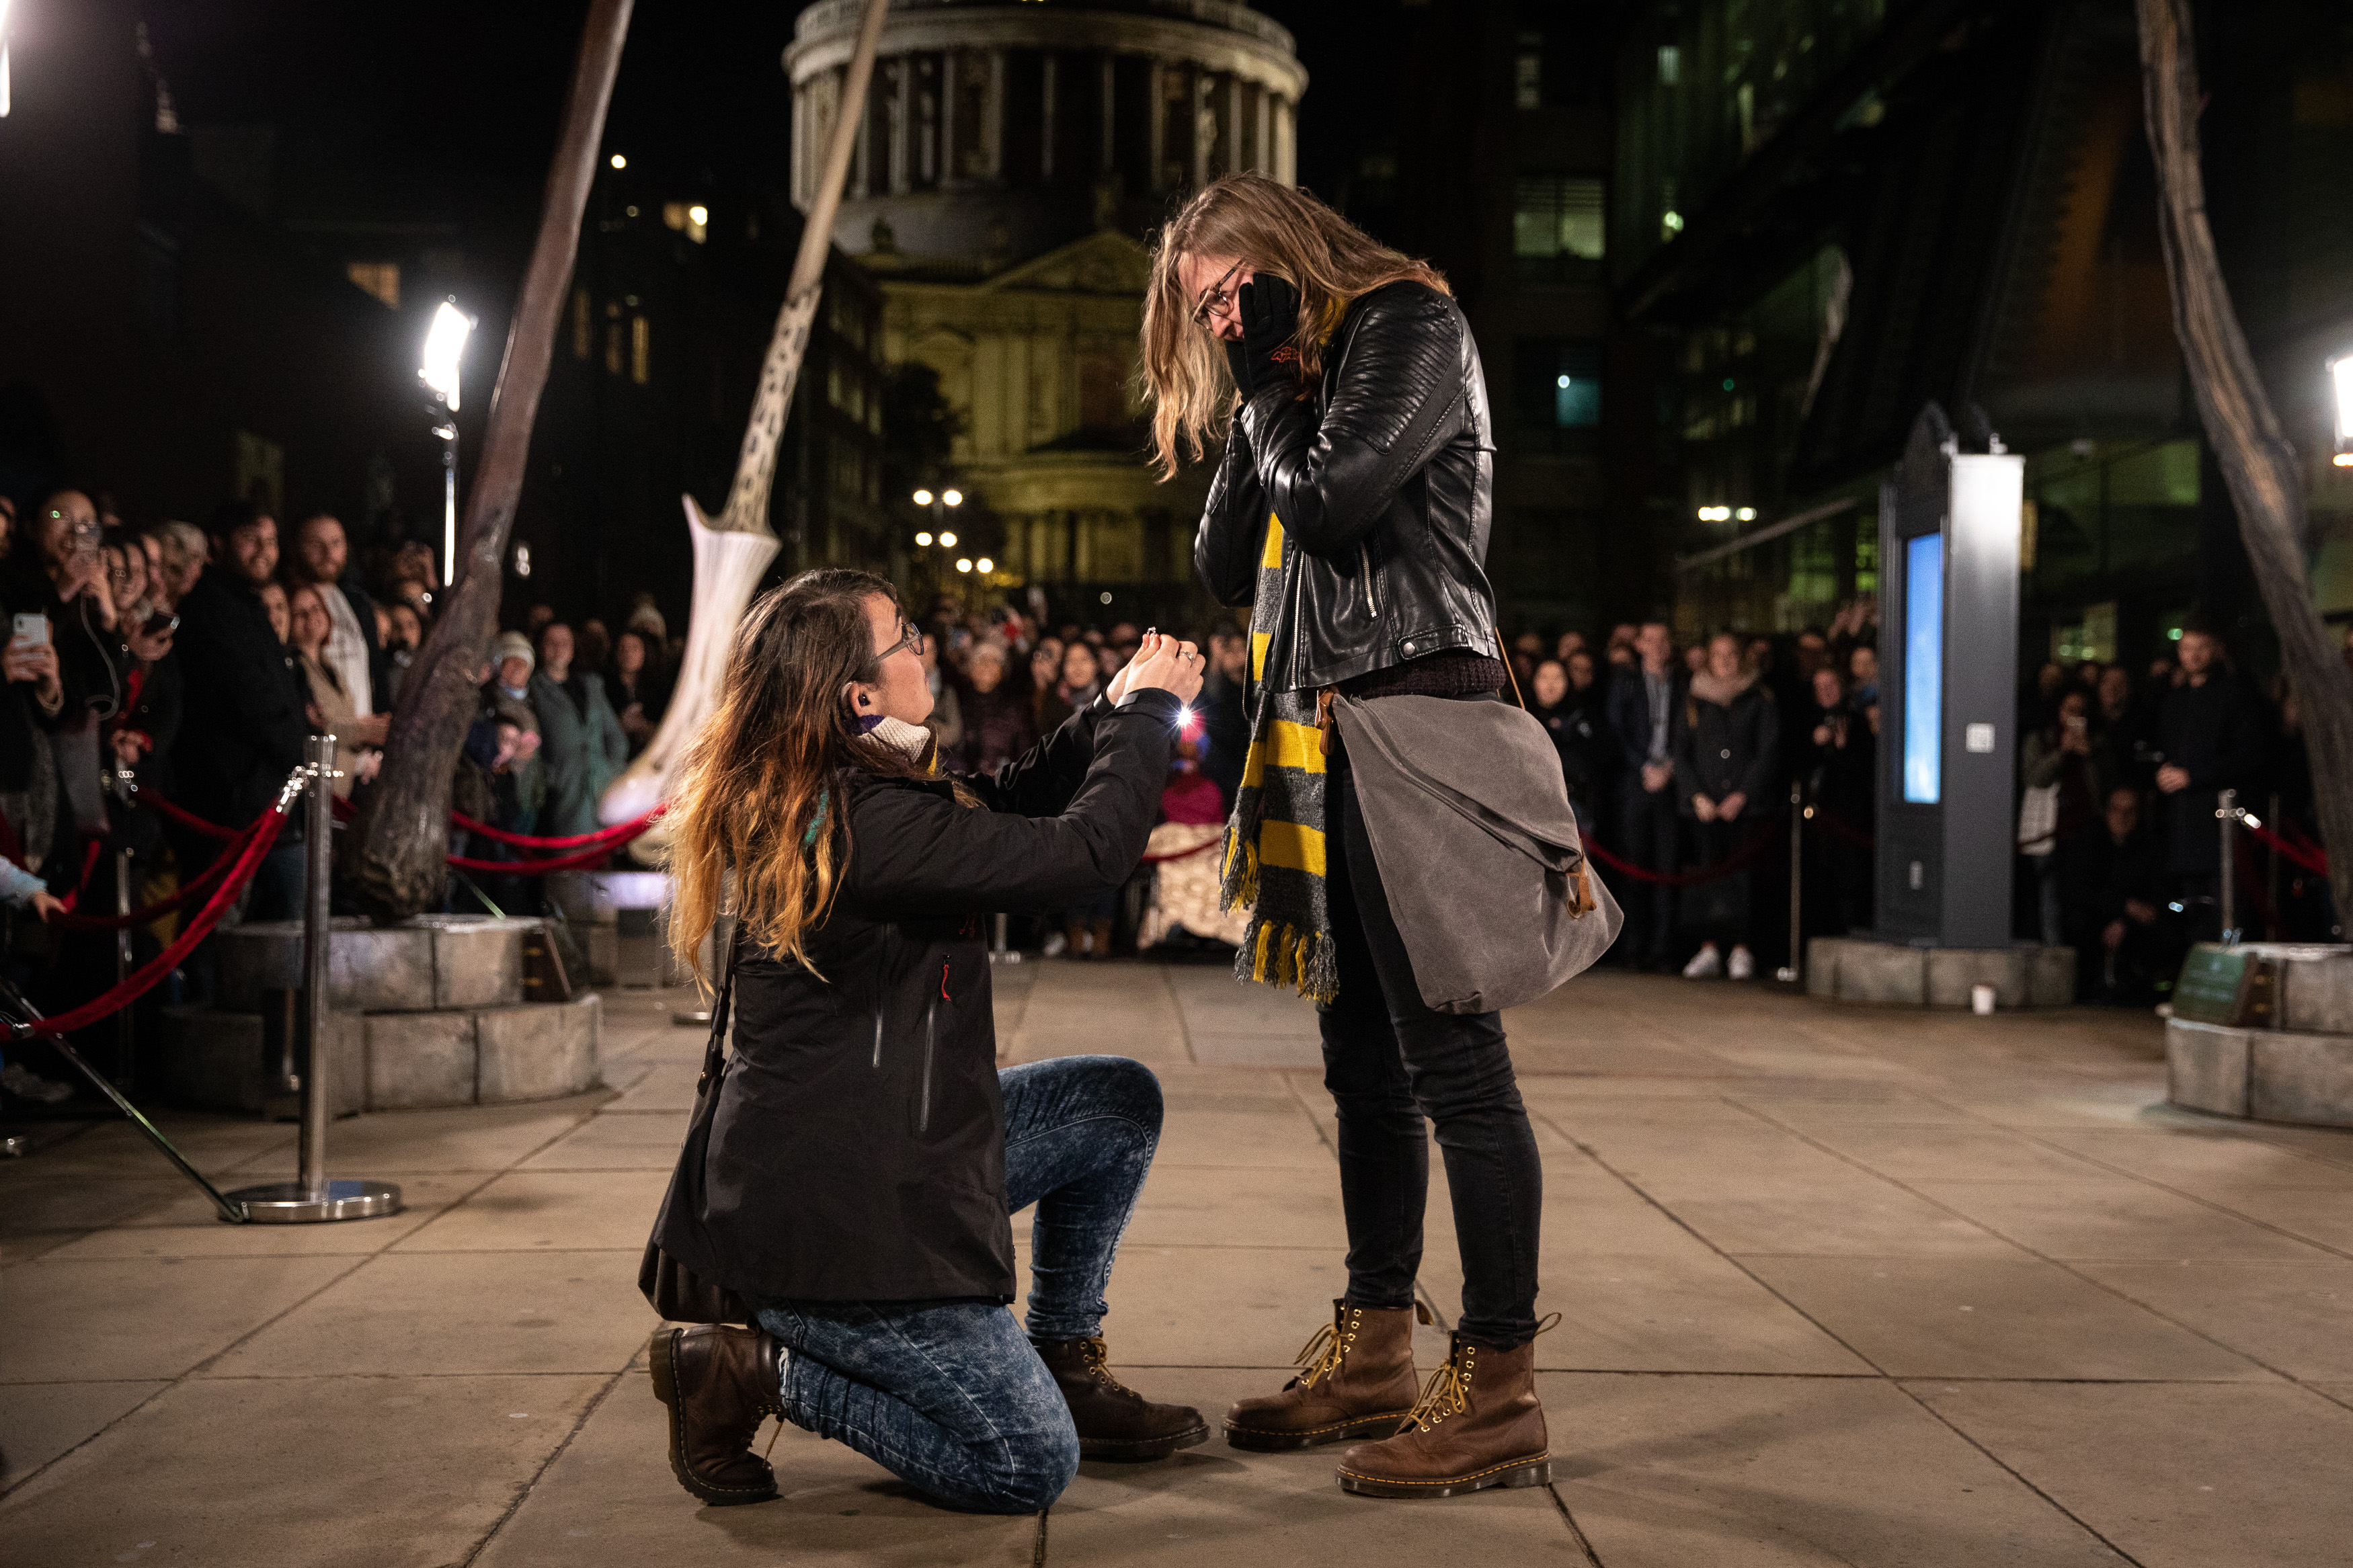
(949, 1395)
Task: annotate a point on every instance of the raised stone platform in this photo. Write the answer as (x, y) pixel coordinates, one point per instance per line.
(1866, 969)
(428, 1013)
(2273, 1041)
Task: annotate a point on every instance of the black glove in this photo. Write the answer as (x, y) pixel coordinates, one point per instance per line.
(1270, 313)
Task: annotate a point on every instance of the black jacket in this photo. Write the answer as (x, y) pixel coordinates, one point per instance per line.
(1721, 747)
(2215, 733)
(1630, 716)
(1382, 482)
(857, 1148)
(243, 724)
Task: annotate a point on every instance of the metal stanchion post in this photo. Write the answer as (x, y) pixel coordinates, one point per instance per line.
(1790, 975)
(998, 951)
(2228, 813)
(313, 1196)
(126, 1070)
(2271, 872)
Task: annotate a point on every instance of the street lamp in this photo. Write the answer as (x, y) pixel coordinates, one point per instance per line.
(2340, 371)
(445, 346)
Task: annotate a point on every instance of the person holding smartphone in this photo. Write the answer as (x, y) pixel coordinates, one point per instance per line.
(864, 1152)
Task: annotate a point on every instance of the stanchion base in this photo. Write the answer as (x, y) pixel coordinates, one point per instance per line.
(685, 1016)
(292, 1203)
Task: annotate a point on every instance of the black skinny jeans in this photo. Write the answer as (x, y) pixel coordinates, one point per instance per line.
(1390, 1062)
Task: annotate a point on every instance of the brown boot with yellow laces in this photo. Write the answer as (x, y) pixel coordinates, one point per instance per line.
(1355, 1381)
(1477, 1425)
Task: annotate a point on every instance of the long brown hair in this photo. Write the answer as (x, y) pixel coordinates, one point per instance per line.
(758, 793)
(1275, 228)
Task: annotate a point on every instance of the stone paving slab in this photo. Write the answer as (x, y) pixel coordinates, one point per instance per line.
(1735, 1472)
(2177, 1474)
(358, 1472)
(1763, 1215)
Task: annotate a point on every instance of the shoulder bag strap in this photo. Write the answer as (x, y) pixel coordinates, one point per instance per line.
(714, 1058)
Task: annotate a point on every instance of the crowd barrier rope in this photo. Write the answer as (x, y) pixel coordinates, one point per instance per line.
(619, 834)
(150, 913)
(2311, 857)
(593, 847)
(1732, 862)
(258, 842)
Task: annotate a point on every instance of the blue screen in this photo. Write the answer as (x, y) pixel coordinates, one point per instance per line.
(1923, 669)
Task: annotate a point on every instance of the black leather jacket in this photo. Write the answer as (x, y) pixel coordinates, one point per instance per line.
(1383, 482)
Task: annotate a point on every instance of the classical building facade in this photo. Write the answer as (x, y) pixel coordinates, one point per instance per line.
(1011, 159)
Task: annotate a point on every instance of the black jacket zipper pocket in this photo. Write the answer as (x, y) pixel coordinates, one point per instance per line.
(931, 1035)
(1372, 599)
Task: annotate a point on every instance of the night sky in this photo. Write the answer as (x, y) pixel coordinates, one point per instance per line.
(390, 109)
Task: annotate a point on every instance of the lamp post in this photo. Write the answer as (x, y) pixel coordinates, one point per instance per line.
(2341, 376)
(445, 346)
(939, 505)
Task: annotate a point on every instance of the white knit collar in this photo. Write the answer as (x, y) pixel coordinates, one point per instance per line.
(914, 741)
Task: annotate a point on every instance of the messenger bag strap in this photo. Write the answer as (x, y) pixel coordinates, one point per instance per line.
(1505, 655)
(715, 1061)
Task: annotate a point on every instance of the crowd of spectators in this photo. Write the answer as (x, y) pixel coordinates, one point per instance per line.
(198, 661)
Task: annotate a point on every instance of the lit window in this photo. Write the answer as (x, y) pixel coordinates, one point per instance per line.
(1557, 222)
(641, 348)
(1527, 72)
(581, 335)
(1558, 391)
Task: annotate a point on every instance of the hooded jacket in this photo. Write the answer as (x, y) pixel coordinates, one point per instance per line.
(857, 1151)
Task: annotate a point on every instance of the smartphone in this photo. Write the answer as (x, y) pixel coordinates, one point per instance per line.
(31, 628)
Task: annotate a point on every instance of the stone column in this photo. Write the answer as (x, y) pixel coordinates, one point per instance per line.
(1158, 89)
(1110, 124)
(903, 96)
(1205, 120)
(992, 116)
(1262, 155)
(1286, 162)
(1048, 76)
(947, 117)
(1235, 162)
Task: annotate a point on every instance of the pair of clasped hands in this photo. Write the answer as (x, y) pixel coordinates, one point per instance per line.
(1161, 664)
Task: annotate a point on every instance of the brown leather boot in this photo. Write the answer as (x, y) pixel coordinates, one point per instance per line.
(1114, 1422)
(1356, 1382)
(1101, 947)
(720, 1382)
(1476, 1426)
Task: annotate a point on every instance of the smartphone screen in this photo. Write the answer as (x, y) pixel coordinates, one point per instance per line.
(31, 628)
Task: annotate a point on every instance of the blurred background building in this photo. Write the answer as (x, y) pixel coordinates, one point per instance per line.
(1012, 160)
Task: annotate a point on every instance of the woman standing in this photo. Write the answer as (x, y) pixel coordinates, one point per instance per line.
(1079, 678)
(865, 1155)
(1725, 739)
(1351, 511)
(330, 707)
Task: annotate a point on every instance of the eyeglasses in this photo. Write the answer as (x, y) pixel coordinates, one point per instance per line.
(912, 637)
(1215, 301)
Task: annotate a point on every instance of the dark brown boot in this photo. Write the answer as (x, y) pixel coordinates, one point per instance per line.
(1101, 946)
(1114, 1422)
(720, 1382)
(1476, 1426)
(1357, 1381)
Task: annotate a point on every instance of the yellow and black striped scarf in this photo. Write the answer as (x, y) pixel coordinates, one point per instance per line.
(1273, 859)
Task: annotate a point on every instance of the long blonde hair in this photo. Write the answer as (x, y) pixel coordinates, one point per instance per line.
(1275, 228)
(759, 791)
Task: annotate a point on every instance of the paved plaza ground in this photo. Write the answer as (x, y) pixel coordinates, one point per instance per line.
(1840, 1285)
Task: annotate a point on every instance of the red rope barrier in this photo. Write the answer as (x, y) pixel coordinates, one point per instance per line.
(189, 819)
(619, 833)
(1723, 868)
(1842, 828)
(161, 907)
(90, 852)
(582, 861)
(144, 977)
(2312, 858)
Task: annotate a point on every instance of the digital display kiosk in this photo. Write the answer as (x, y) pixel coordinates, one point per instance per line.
(1948, 552)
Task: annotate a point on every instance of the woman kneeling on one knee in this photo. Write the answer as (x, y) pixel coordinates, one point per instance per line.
(866, 1155)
